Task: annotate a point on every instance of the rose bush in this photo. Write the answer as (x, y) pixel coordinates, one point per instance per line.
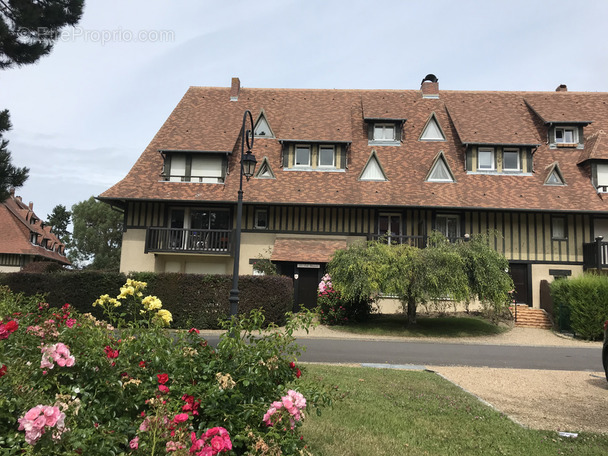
(333, 309)
(72, 384)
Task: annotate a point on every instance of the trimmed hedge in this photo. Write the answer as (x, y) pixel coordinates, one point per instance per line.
(194, 300)
(584, 300)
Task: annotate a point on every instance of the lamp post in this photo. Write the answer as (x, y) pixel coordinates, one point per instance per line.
(247, 168)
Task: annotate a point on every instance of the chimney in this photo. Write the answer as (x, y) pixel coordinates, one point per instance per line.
(12, 192)
(31, 206)
(430, 86)
(235, 89)
(562, 88)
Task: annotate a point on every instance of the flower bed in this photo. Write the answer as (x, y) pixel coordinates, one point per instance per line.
(72, 384)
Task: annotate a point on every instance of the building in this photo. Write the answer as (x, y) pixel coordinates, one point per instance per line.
(339, 166)
(24, 238)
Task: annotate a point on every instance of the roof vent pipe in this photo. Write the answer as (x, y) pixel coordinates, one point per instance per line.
(562, 88)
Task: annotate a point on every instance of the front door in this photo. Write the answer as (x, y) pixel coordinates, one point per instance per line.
(519, 274)
(306, 281)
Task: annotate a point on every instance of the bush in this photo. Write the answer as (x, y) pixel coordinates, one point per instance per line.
(194, 300)
(73, 384)
(332, 309)
(585, 299)
(42, 266)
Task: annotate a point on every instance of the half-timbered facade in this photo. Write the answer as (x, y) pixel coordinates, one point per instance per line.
(341, 166)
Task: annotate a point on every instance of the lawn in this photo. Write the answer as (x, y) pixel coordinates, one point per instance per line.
(393, 412)
(425, 327)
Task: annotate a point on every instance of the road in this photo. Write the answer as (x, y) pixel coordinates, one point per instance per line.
(447, 354)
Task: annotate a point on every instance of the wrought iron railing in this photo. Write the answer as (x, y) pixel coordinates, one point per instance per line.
(414, 241)
(188, 240)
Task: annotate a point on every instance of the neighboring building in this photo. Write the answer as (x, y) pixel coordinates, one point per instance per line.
(338, 166)
(24, 238)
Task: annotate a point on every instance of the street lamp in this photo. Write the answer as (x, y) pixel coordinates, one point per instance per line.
(247, 169)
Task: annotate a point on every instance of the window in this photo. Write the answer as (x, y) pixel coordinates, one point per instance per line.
(33, 238)
(558, 228)
(565, 135)
(384, 132)
(302, 157)
(389, 226)
(373, 170)
(485, 159)
(440, 172)
(432, 131)
(261, 219)
(448, 225)
(511, 160)
(202, 168)
(327, 157)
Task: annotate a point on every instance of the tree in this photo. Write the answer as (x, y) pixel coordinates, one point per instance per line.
(10, 176)
(29, 29)
(458, 272)
(97, 235)
(59, 219)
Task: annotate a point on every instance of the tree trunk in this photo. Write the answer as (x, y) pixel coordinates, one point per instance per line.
(411, 311)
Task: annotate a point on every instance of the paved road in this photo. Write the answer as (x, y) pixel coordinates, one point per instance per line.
(439, 354)
(448, 354)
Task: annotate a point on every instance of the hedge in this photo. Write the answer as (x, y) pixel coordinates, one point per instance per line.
(194, 300)
(584, 300)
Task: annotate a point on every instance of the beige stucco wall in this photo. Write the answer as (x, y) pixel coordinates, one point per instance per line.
(541, 272)
(254, 245)
(10, 268)
(132, 256)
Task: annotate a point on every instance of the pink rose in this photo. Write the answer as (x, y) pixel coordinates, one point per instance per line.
(134, 444)
(180, 418)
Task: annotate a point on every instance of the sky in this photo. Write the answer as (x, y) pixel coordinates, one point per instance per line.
(83, 114)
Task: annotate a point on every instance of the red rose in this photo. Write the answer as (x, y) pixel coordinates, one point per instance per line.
(3, 370)
(298, 373)
(162, 378)
(292, 364)
(142, 364)
(194, 330)
(110, 352)
(163, 389)
(11, 326)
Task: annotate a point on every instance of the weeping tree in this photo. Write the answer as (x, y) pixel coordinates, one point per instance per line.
(442, 270)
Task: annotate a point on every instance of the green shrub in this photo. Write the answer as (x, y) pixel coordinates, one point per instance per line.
(135, 384)
(585, 299)
(194, 300)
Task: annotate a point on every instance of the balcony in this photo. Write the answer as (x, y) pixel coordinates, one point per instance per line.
(595, 255)
(414, 241)
(181, 240)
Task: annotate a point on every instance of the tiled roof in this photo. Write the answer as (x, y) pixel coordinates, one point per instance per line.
(206, 119)
(565, 107)
(596, 147)
(17, 224)
(305, 250)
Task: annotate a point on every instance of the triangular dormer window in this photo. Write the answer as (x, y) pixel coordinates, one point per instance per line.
(432, 130)
(555, 176)
(372, 171)
(440, 170)
(262, 128)
(265, 171)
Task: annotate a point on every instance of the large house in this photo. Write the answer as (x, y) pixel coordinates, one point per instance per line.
(24, 238)
(340, 166)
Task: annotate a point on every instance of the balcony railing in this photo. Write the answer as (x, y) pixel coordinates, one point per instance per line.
(414, 241)
(181, 240)
(595, 255)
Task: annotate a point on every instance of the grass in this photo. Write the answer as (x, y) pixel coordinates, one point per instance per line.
(426, 327)
(392, 412)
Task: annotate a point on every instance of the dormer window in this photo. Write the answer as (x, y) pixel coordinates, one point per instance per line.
(194, 167)
(33, 238)
(566, 135)
(327, 157)
(601, 176)
(302, 158)
(384, 132)
(485, 159)
(511, 160)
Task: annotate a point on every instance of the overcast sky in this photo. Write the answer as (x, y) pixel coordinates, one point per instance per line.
(83, 114)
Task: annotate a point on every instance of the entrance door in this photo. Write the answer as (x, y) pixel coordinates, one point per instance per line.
(306, 285)
(519, 274)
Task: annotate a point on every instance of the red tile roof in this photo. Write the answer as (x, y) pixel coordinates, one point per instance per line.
(206, 120)
(567, 107)
(596, 147)
(17, 225)
(305, 250)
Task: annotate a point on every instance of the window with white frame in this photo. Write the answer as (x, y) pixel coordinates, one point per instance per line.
(485, 159)
(511, 160)
(558, 228)
(602, 178)
(261, 219)
(566, 135)
(302, 156)
(327, 157)
(202, 168)
(448, 225)
(384, 132)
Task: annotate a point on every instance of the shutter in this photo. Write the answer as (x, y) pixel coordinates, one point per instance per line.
(469, 159)
(178, 168)
(286, 150)
(529, 158)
